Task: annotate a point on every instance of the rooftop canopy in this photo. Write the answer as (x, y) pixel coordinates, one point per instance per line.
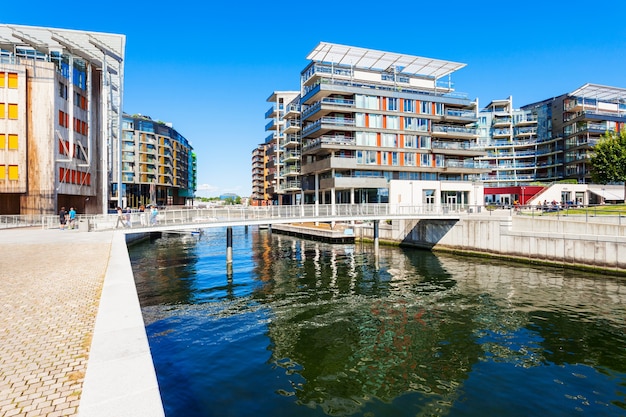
(601, 92)
(94, 47)
(382, 61)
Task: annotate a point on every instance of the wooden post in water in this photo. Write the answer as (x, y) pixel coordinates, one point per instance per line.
(229, 245)
(376, 224)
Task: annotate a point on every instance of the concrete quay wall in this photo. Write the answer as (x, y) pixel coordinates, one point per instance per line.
(574, 242)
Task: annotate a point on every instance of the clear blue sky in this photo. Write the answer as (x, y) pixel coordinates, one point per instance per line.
(209, 67)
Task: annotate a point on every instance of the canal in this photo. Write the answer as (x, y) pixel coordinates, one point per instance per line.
(299, 327)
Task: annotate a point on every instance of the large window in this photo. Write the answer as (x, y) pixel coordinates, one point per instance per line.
(366, 157)
(389, 140)
(393, 122)
(409, 105)
(366, 102)
(366, 139)
(416, 124)
(409, 159)
(426, 107)
(392, 104)
(425, 160)
(376, 120)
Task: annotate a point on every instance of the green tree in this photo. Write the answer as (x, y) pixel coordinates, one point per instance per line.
(608, 161)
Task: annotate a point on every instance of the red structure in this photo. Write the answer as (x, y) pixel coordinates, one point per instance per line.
(521, 193)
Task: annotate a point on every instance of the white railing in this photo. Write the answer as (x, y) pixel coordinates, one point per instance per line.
(243, 215)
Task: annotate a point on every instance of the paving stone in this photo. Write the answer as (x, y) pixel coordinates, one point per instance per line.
(50, 287)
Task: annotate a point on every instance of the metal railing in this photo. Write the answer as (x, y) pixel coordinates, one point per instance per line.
(325, 212)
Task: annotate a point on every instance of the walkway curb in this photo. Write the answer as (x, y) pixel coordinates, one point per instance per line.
(120, 379)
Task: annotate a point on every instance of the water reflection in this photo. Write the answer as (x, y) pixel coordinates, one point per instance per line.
(328, 329)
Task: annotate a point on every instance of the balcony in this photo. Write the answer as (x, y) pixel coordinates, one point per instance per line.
(325, 106)
(270, 113)
(460, 115)
(454, 131)
(348, 182)
(329, 142)
(292, 126)
(291, 111)
(525, 131)
(271, 125)
(290, 157)
(501, 133)
(329, 163)
(328, 123)
(292, 185)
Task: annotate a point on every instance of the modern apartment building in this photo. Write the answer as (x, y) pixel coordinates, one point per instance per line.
(580, 118)
(520, 144)
(157, 164)
(282, 149)
(260, 184)
(369, 117)
(547, 141)
(60, 100)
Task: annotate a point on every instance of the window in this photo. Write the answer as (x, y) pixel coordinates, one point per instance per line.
(394, 158)
(409, 159)
(426, 107)
(13, 173)
(393, 122)
(392, 104)
(2, 79)
(389, 140)
(359, 120)
(366, 138)
(13, 142)
(424, 142)
(384, 159)
(366, 157)
(416, 123)
(440, 161)
(425, 160)
(439, 109)
(409, 106)
(376, 120)
(62, 90)
(3, 172)
(12, 80)
(12, 111)
(366, 102)
(2, 110)
(410, 141)
(3, 141)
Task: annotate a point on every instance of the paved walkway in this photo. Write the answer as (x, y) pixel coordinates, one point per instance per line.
(53, 287)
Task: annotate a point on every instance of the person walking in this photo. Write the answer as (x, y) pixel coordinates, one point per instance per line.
(120, 217)
(72, 218)
(62, 218)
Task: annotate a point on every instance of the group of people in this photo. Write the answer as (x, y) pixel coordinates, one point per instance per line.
(146, 217)
(67, 219)
(149, 216)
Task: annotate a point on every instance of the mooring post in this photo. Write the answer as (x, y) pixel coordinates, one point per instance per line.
(229, 245)
(376, 222)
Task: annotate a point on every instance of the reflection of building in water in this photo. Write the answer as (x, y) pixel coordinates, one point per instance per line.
(353, 331)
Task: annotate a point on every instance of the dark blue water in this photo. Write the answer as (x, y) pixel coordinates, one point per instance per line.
(303, 328)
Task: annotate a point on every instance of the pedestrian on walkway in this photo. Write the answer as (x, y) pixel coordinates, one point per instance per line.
(120, 217)
(72, 218)
(129, 222)
(154, 212)
(62, 218)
